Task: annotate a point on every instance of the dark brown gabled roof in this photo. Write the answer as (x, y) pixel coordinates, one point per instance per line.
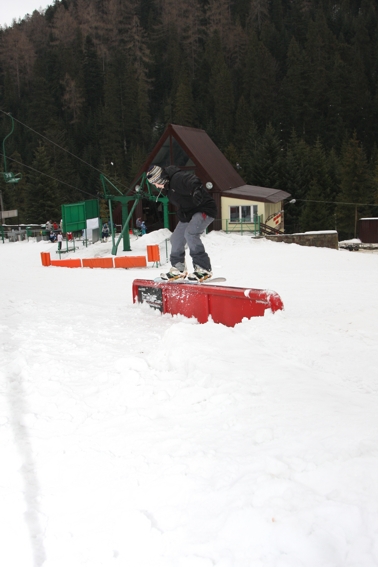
(192, 149)
(208, 161)
(208, 157)
(260, 194)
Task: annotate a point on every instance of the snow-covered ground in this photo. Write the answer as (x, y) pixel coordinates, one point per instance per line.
(134, 439)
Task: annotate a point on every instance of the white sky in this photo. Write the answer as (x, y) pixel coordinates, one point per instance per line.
(19, 8)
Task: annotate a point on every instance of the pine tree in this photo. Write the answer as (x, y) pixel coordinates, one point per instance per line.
(9, 92)
(320, 49)
(65, 166)
(260, 83)
(259, 13)
(296, 20)
(15, 195)
(218, 15)
(128, 88)
(72, 99)
(267, 160)
(183, 112)
(294, 93)
(43, 199)
(138, 157)
(64, 27)
(318, 210)
(111, 142)
(223, 103)
(357, 189)
(93, 76)
(252, 142)
(17, 56)
(42, 108)
(243, 122)
(192, 33)
(104, 210)
(143, 108)
(296, 179)
(12, 193)
(203, 87)
(232, 156)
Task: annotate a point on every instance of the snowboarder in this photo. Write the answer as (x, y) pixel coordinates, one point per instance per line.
(196, 210)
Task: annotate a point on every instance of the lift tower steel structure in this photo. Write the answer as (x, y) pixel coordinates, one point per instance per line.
(143, 190)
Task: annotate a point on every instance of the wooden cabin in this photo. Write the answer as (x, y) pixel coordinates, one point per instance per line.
(239, 205)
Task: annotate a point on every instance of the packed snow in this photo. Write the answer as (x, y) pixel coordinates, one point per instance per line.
(135, 439)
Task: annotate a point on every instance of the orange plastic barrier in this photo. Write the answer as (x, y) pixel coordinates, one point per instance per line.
(122, 262)
(46, 258)
(130, 262)
(97, 262)
(153, 253)
(69, 263)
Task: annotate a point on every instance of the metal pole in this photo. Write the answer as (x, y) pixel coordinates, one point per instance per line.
(164, 201)
(1, 218)
(125, 227)
(2, 207)
(111, 220)
(355, 222)
(126, 233)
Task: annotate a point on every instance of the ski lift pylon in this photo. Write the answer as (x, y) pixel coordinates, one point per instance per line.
(9, 176)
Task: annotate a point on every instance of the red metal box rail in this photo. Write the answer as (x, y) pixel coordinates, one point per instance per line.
(226, 305)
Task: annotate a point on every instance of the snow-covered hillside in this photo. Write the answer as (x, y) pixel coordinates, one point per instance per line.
(134, 439)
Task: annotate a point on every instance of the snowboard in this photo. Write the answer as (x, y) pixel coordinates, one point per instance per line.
(191, 282)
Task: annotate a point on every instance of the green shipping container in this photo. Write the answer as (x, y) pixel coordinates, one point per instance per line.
(75, 216)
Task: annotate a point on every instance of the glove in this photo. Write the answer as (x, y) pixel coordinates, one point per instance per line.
(197, 197)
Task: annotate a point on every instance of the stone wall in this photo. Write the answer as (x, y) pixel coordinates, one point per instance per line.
(326, 239)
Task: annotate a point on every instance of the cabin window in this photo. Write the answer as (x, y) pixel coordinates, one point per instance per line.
(163, 156)
(243, 213)
(171, 153)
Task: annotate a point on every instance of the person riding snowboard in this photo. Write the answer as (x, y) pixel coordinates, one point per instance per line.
(196, 210)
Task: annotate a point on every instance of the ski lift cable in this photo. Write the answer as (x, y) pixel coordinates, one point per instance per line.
(340, 203)
(49, 176)
(58, 146)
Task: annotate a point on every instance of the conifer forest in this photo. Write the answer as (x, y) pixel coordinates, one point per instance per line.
(287, 89)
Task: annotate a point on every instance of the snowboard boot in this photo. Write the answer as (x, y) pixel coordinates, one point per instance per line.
(174, 274)
(199, 275)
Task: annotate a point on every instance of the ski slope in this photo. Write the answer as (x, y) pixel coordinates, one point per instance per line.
(134, 439)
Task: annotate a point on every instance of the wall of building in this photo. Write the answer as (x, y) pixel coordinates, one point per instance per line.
(326, 239)
(272, 211)
(227, 202)
(367, 230)
(263, 209)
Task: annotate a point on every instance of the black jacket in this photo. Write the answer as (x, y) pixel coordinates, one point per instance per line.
(180, 189)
